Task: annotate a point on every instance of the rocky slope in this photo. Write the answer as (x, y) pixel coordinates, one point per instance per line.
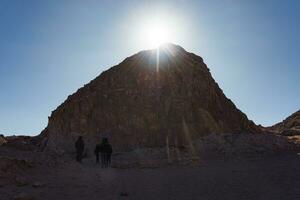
(288, 127)
(146, 101)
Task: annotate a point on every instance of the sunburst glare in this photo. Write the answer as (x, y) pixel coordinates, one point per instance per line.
(152, 31)
(156, 35)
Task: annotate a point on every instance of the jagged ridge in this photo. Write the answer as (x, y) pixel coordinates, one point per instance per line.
(289, 126)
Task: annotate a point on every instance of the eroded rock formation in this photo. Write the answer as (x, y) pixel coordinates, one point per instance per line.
(153, 98)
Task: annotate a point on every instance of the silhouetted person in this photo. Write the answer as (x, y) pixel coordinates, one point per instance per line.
(79, 145)
(97, 151)
(108, 151)
(105, 150)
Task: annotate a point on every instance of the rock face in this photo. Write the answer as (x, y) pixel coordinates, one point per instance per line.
(153, 98)
(288, 127)
(2, 140)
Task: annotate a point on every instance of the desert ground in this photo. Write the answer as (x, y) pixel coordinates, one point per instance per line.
(36, 175)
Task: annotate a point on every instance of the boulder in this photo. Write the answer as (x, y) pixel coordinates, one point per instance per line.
(38, 184)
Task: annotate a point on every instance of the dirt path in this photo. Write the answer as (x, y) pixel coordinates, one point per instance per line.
(273, 178)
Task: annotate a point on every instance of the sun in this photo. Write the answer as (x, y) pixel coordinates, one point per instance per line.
(156, 35)
(149, 31)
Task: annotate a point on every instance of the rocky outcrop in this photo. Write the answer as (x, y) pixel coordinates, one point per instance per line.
(151, 99)
(26, 143)
(3, 141)
(288, 127)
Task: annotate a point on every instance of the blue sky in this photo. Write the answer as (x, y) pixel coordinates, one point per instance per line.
(51, 48)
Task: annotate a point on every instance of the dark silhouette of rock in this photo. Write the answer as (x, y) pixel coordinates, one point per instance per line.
(288, 127)
(149, 100)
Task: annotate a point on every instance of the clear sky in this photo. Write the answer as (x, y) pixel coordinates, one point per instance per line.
(48, 49)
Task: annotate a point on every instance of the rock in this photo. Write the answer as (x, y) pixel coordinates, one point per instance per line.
(124, 194)
(23, 196)
(38, 184)
(21, 181)
(2, 140)
(137, 106)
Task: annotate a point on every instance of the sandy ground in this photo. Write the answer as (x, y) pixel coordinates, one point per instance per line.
(276, 177)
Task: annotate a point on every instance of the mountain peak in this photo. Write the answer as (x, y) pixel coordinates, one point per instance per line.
(150, 97)
(169, 49)
(171, 46)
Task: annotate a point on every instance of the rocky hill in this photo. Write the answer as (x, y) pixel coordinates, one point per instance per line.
(154, 98)
(288, 127)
